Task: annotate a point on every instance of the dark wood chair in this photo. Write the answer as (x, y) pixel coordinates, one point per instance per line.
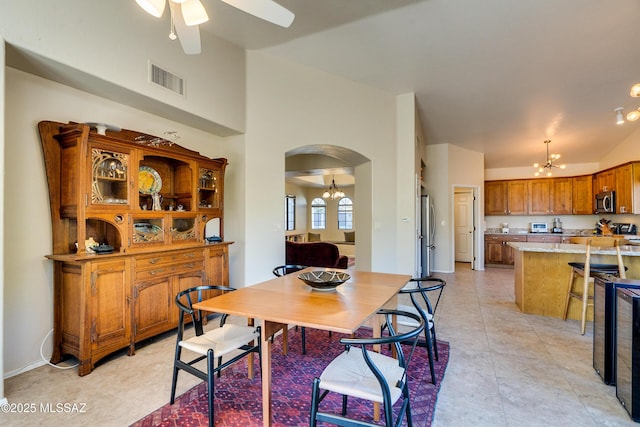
(363, 373)
(418, 290)
(210, 344)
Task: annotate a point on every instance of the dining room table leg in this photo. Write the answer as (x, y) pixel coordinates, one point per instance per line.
(267, 330)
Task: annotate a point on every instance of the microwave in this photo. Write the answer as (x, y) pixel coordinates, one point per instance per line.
(539, 227)
(606, 202)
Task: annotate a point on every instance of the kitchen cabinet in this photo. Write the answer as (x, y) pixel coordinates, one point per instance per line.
(150, 200)
(539, 191)
(506, 197)
(628, 188)
(582, 195)
(496, 249)
(545, 238)
(604, 181)
(549, 196)
(495, 198)
(560, 196)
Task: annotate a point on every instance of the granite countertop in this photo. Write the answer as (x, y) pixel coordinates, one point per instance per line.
(526, 232)
(570, 248)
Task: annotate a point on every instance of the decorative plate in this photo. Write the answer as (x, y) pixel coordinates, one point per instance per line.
(149, 181)
(324, 280)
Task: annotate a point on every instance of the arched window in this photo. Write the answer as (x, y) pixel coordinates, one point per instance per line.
(318, 214)
(345, 214)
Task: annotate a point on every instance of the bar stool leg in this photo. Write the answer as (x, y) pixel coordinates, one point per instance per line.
(572, 277)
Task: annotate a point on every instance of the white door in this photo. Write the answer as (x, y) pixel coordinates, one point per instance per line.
(463, 220)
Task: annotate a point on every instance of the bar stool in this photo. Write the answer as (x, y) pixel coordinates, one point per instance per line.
(586, 268)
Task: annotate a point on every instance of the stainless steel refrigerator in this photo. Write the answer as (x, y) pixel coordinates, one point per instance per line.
(427, 231)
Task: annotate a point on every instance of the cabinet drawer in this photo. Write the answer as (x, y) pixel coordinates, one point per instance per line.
(545, 239)
(188, 267)
(158, 260)
(505, 238)
(168, 270)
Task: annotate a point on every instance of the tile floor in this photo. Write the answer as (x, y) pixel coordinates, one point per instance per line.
(505, 369)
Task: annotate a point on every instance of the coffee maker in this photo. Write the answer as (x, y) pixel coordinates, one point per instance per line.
(557, 226)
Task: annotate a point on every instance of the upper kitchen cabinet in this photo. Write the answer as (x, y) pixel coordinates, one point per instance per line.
(560, 197)
(506, 197)
(582, 195)
(604, 181)
(627, 188)
(549, 196)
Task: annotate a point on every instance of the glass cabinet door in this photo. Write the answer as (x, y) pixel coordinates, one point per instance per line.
(183, 228)
(109, 177)
(208, 196)
(148, 230)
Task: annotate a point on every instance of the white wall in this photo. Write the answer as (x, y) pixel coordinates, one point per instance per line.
(406, 190)
(114, 40)
(627, 150)
(290, 106)
(28, 275)
(462, 168)
(2, 205)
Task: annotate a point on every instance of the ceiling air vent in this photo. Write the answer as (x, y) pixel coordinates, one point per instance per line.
(166, 79)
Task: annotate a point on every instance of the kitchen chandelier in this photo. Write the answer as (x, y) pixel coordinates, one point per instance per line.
(333, 192)
(633, 115)
(549, 163)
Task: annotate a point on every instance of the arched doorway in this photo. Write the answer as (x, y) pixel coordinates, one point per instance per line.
(309, 172)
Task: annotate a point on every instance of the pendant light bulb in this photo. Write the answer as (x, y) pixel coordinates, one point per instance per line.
(633, 115)
(635, 90)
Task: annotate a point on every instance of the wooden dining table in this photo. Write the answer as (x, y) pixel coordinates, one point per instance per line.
(287, 300)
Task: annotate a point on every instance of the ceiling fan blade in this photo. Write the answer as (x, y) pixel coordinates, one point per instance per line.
(265, 9)
(189, 36)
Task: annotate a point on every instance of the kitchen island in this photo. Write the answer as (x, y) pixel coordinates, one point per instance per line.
(542, 274)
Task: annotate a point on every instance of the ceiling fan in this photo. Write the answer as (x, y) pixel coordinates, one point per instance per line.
(186, 15)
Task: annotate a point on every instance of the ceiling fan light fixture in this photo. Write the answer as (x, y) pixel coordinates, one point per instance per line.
(268, 10)
(633, 115)
(635, 90)
(619, 116)
(152, 7)
(193, 12)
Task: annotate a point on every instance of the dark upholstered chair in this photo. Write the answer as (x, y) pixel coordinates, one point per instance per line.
(211, 344)
(316, 254)
(363, 373)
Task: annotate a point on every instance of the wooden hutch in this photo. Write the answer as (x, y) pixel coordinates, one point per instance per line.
(150, 200)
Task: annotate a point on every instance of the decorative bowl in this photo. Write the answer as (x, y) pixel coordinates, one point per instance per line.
(324, 280)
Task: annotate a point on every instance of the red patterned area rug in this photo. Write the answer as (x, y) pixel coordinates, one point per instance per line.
(238, 399)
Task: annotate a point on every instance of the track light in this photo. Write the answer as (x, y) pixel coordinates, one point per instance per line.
(619, 116)
(633, 115)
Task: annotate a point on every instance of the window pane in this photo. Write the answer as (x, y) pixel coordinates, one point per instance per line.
(290, 213)
(345, 214)
(318, 214)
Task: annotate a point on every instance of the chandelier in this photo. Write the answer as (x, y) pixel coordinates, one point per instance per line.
(333, 192)
(549, 163)
(634, 114)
